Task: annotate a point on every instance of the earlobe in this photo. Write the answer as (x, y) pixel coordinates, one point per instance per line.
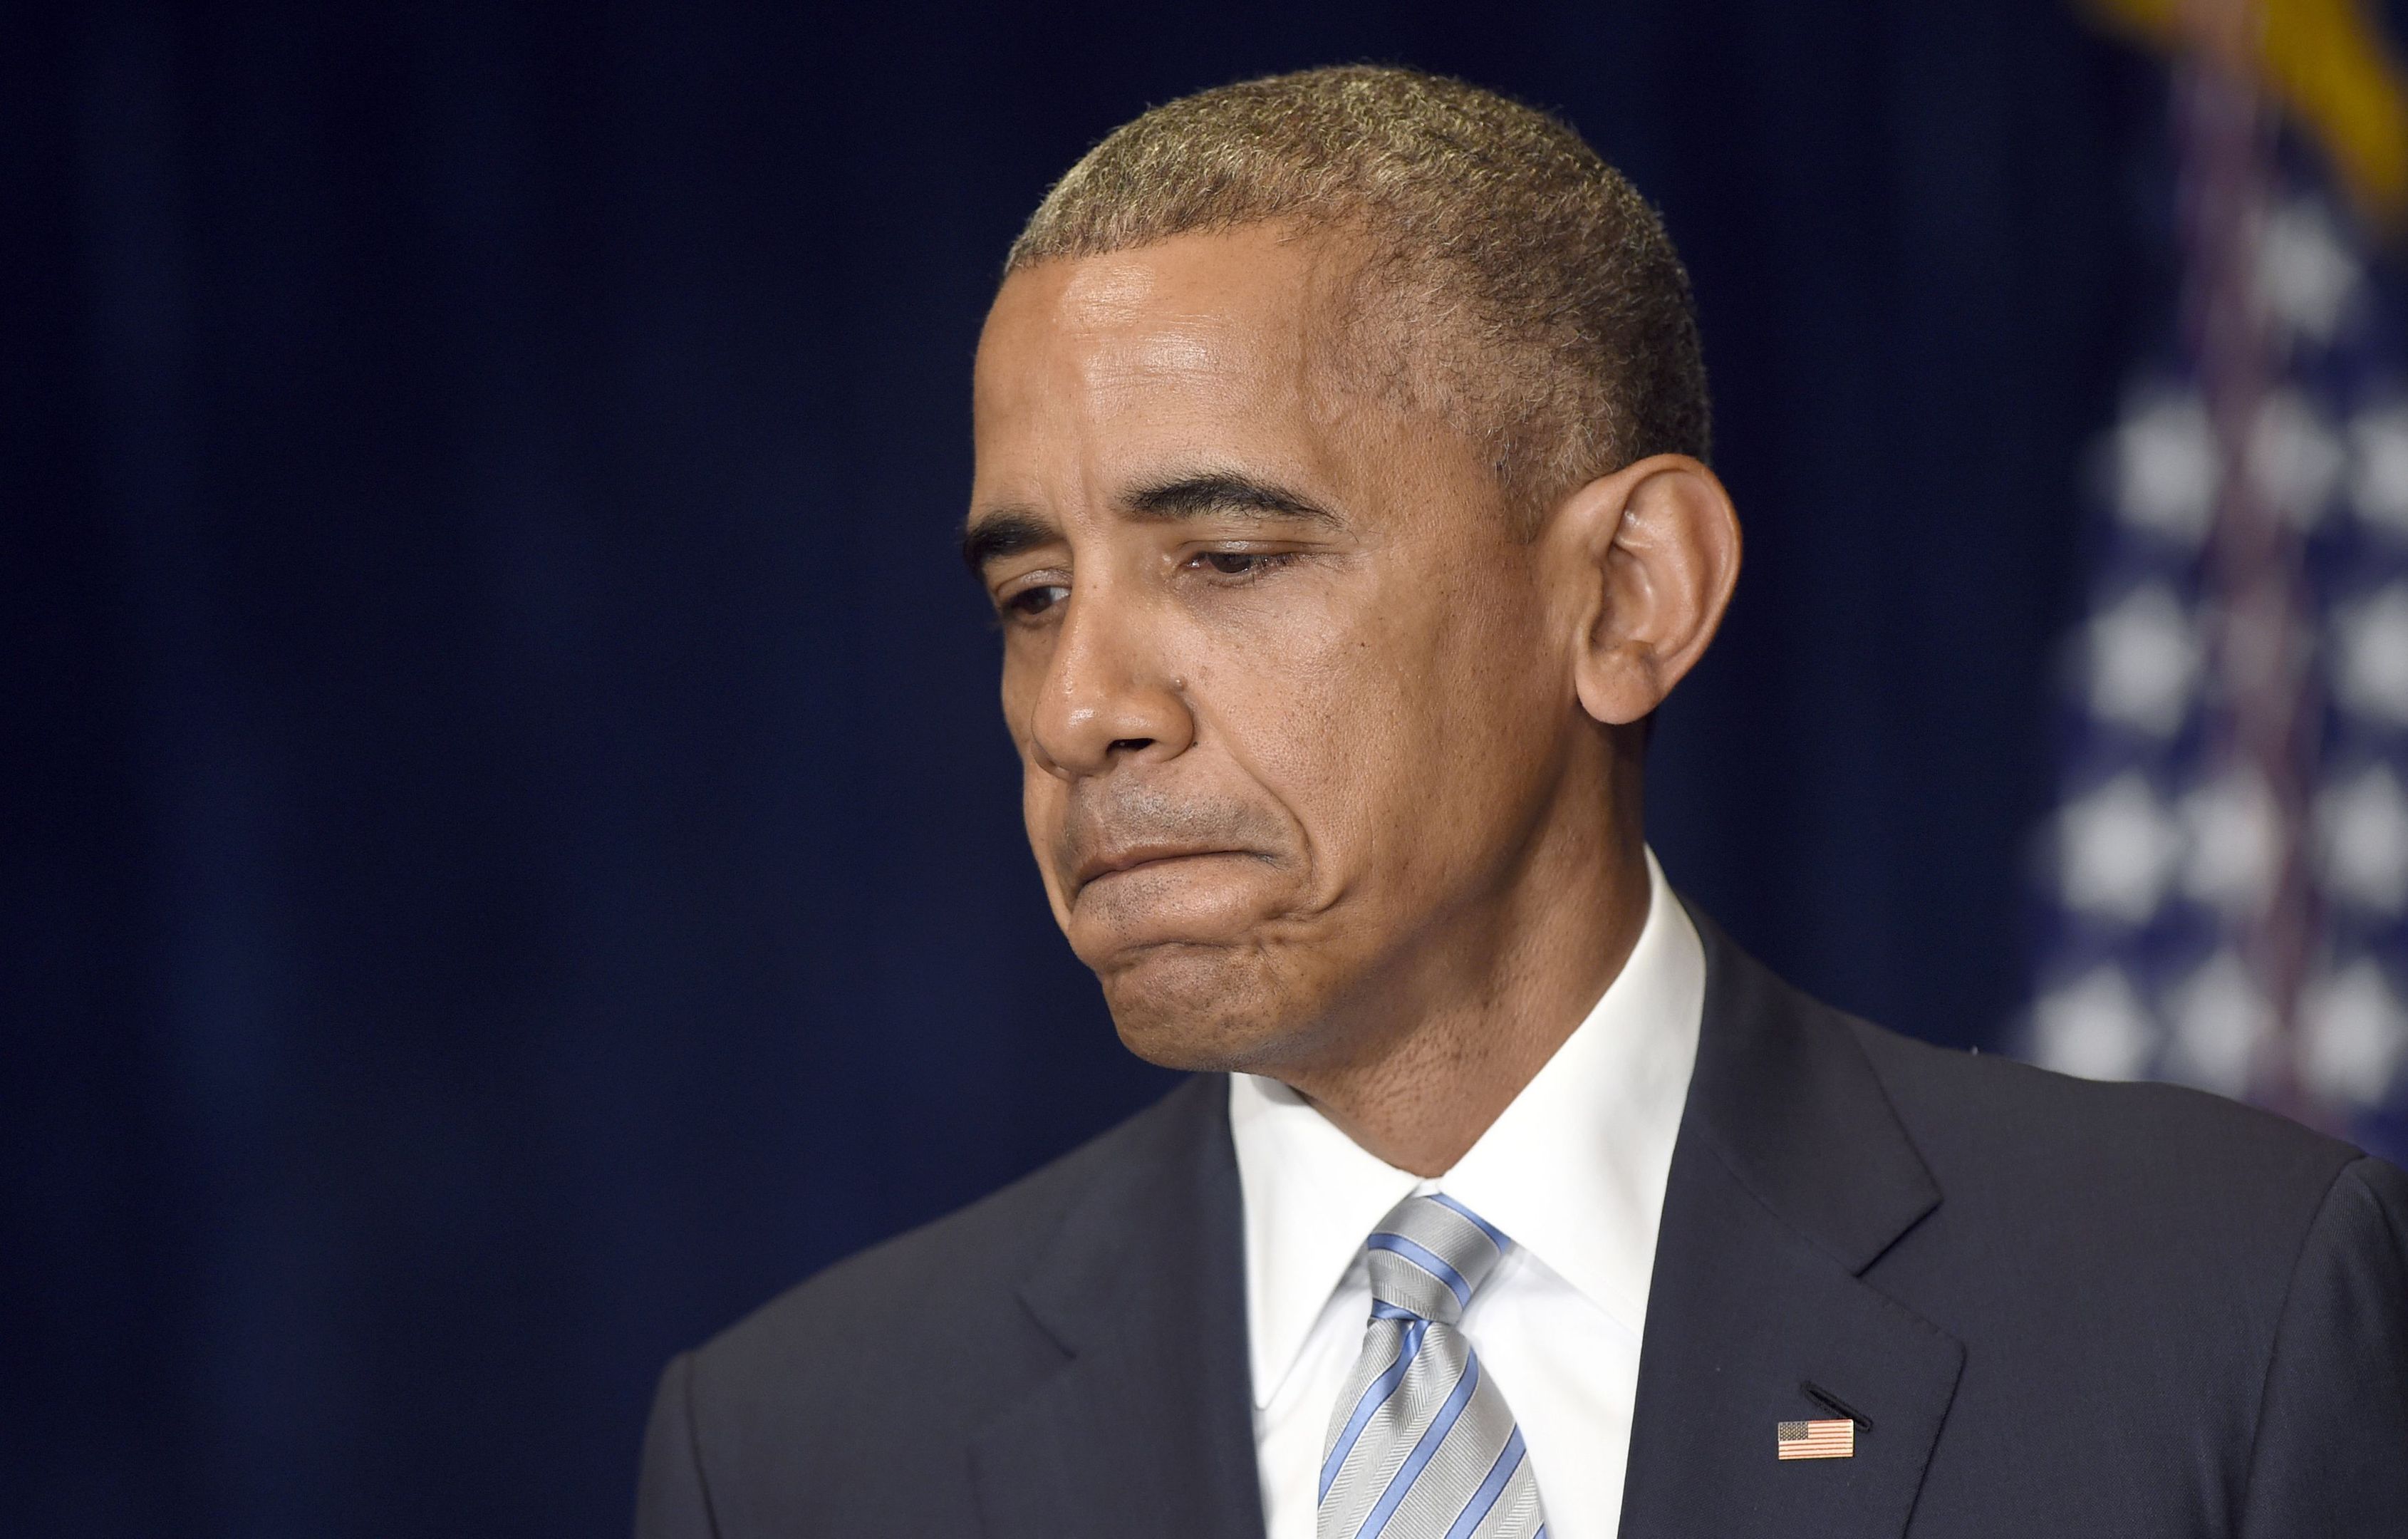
(1660, 553)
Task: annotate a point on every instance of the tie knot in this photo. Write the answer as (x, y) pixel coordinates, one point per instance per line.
(1429, 1256)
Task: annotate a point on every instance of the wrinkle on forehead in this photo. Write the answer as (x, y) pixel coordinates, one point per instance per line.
(1236, 329)
(1150, 316)
(1103, 292)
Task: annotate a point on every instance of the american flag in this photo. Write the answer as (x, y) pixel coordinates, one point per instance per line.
(2224, 883)
(1816, 1439)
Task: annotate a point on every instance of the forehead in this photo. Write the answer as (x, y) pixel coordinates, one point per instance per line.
(1190, 316)
(1204, 335)
(1250, 352)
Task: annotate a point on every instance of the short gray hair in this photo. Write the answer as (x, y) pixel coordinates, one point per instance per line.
(1575, 338)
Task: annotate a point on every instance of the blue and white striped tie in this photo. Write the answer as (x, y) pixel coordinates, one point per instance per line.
(1422, 1442)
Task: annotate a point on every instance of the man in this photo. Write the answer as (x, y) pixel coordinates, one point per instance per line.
(1341, 487)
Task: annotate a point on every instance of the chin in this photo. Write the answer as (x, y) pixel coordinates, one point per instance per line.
(1201, 1007)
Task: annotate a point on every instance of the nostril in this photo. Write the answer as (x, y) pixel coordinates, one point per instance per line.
(1132, 744)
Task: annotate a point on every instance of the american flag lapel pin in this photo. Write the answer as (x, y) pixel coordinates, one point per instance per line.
(1832, 1438)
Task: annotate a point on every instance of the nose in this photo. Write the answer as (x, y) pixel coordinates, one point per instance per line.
(1105, 697)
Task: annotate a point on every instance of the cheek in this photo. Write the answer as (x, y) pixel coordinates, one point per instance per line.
(1022, 671)
(1402, 737)
(1325, 710)
(1042, 800)
(1042, 796)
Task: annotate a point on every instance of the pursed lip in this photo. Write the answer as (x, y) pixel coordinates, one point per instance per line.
(1131, 858)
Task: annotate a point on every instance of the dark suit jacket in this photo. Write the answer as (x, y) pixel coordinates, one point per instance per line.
(2057, 1308)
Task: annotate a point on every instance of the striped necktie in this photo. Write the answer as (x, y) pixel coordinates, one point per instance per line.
(1422, 1442)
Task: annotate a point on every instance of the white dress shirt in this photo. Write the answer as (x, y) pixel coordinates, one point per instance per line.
(1574, 1171)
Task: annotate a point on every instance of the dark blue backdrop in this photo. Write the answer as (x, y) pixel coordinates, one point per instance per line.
(510, 855)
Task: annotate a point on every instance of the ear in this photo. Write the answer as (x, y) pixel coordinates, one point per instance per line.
(1652, 554)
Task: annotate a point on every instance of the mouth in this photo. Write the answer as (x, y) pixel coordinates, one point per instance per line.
(1137, 857)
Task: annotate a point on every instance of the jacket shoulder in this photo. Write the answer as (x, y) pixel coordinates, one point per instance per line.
(2172, 1306)
(2092, 1210)
(1988, 1119)
(954, 1274)
(915, 1344)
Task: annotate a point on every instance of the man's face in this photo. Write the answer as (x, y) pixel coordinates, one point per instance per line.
(1288, 696)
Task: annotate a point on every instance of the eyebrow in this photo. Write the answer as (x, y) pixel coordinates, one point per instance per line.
(1006, 531)
(1225, 491)
(1001, 532)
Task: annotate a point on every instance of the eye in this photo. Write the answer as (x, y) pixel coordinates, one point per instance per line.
(1240, 564)
(1028, 603)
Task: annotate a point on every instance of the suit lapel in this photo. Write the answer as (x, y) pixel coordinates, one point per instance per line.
(1790, 1177)
(1147, 1428)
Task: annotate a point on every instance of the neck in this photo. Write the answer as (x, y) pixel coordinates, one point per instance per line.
(1485, 1003)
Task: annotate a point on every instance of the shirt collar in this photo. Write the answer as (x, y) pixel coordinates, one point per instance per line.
(1573, 1169)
